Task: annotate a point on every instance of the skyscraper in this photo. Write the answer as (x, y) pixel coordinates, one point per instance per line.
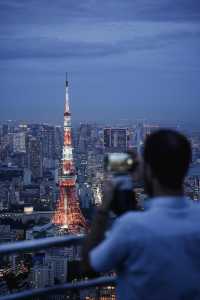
(19, 142)
(35, 157)
(48, 141)
(68, 214)
(115, 139)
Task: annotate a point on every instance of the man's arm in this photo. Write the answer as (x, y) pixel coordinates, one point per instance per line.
(98, 228)
(95, 236)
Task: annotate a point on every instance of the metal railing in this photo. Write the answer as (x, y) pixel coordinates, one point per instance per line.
(37, 244)
(60, 289)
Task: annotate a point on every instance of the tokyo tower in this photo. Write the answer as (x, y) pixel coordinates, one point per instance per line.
(68, 214)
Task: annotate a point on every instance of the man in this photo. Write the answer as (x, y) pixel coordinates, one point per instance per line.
(156, 253)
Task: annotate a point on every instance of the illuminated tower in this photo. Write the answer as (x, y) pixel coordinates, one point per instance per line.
(68, 214)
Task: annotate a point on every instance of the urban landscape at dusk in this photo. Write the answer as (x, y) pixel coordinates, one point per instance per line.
(93, 81)
(33, 186)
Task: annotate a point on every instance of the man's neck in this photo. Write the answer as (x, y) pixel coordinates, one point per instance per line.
(165, 192)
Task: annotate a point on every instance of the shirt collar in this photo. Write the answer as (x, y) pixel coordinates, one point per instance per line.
(169, 202)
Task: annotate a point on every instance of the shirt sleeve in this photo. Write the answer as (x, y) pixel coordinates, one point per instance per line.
(110, 253)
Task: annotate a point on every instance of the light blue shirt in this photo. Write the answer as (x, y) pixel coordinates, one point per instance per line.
(156, 253)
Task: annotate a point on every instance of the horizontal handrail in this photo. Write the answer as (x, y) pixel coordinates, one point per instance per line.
(44, 243)
(37, 244)
(61, 289)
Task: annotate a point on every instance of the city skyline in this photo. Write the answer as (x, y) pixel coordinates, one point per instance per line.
(125, 59)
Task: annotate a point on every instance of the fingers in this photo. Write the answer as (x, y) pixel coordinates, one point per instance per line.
(108, 191)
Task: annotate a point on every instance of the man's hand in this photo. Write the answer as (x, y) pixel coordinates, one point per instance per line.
(99, 225)
(108, 193)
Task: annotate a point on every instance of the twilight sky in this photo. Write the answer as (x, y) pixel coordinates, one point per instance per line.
(126, 59)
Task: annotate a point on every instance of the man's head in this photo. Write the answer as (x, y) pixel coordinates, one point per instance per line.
(167, 156)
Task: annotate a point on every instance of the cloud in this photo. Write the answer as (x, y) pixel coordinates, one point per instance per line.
(88, 40)
(104, 10)
(92, 28)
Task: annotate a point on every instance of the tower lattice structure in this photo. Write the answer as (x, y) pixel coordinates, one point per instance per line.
(68, 214)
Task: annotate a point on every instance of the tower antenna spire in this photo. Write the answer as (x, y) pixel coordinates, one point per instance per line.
(66, 94)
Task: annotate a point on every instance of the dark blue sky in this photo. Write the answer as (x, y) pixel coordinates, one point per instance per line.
(127, 59)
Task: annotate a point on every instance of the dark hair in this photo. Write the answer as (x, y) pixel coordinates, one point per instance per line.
(168, 153)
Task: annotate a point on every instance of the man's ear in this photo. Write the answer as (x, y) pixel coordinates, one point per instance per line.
(151, 178)
(148, 171)
(150, 175)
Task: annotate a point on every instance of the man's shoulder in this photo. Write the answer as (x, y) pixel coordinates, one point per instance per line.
(132, 226)
(131, 216)
(131, 219)
(153, 214)
(195, 207)
(140, 219)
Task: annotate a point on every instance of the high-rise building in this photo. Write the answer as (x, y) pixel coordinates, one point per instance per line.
(48, 141)
(115, 139)
(58, 142)
(68, 214)
(84, 138)
(5, 129)
(19, 142)
(35, 157)
(139, 137)
(42, 276)
(59, 264)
